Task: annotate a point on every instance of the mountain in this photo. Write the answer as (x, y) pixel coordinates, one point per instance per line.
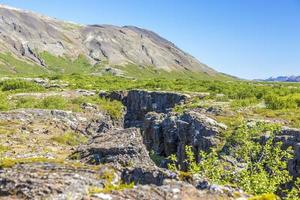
(31, 42)
(284, 79)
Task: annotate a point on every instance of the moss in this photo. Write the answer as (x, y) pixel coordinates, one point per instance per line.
(185, 176)
(3, 149)
(264, 197)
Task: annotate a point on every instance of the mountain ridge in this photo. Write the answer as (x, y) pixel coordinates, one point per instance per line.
(292, 78)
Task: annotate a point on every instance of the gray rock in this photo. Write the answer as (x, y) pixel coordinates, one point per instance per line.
(90, 124)
(168, 134)
(123, 148)
(139, 103)
(175, 190)
(47, 181)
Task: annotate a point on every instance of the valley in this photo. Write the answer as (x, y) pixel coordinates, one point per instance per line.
(111, 112)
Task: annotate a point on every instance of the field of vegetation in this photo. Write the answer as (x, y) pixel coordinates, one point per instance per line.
(266, 171)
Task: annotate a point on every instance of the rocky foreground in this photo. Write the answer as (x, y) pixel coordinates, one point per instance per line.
(110, 158)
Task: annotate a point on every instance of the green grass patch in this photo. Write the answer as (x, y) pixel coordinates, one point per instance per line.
(3, 149)
(10, 162)
(9, 65)
(19, 85)
(70, 138)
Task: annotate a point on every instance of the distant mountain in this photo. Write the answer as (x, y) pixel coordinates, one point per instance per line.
(284, 79)
(31, 42)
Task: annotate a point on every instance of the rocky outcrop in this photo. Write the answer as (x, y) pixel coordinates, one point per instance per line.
(168, 134)
(87, 124)
(165, 132)
(123, 148)
(39, 181)
(47, 181)
(140, 102)
(290, 137)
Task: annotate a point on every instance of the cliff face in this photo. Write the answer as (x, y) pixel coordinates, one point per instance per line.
(26, 34)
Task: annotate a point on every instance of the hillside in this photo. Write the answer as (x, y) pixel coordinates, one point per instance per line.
(35, 44)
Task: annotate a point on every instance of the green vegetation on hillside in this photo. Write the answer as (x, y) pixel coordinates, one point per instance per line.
(57, 65)
(9, 65)
(64, 65)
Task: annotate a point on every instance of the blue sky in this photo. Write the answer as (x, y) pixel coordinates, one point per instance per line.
(249, 39)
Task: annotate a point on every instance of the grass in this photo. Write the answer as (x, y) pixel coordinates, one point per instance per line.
(70, 138)
(10, 162)
(9, 65)
(108, 176)
(57, 65)
(109, 188)
(112, 108)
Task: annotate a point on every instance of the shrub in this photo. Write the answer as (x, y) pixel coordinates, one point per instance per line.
(265, 166)
(276, 102)
(19, 85)
(53, 102)
(244, 102)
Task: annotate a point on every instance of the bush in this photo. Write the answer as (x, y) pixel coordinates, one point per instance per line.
(19, 85)
(276, 102)
(244, 102)
(53, 102)
(265, 166)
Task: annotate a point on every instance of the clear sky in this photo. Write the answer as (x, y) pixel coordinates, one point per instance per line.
(249, 39)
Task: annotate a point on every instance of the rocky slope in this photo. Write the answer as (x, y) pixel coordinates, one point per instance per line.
(25, 35)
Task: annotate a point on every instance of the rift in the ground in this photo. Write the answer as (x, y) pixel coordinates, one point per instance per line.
(106, 112)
